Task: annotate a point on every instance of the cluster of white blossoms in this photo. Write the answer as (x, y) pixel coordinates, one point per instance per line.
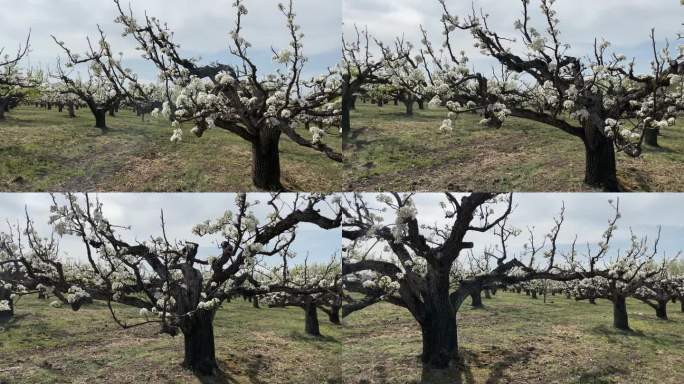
(446, 125)
(209, 305)
(76, 294)
(4, 305)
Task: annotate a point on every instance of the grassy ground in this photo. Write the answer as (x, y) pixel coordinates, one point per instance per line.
(391, 152)
(255, 346)
(516, 339)
(46, 151)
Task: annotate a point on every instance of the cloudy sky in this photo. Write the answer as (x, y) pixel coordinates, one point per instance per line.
(625, 23)
(182, 211)
(200, 26)
(586, 215)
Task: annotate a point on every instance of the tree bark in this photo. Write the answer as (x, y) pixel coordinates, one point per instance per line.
(620, 318)
(6, 315)
(439, 331)
(681, 302)
(488, 294)
(661, 309)
(534, 293)
(600, 171)
(70, 109)
(592, 300)
(311, 320)
(651, 136)
(347, 102)
(476, 299)
(266, 160)
(100, 118)
(198, 331)
(334, 315)
(3, 105)
(255, 302)
(408, 102)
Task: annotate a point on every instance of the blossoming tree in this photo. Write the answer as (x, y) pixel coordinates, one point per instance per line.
(166, 279)
(12, 77)
(602, 100)
(417, 270)
(108, 82)
(359, 69)
(312, 287)
(618, 278)
(238, 99)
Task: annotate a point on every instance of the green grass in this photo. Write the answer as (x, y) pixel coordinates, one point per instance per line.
(48, 345)
(516, 339)
(44, 150)
(391, 152)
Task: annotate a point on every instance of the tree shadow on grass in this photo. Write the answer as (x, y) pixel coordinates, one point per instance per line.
(601, 375)
(616, 336)
(11, 322)
(298, 336)
(220, 377)
(462, 373)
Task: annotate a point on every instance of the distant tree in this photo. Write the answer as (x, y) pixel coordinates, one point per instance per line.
(312, 287)
(12, 77)
(108, 82)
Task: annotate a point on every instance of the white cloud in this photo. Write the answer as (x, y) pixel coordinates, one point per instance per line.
(625, 23)
(200, 26)
(586, 216)
(182, 211)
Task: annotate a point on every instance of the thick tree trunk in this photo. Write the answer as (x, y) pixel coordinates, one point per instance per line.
(311, 320)
(620, 319)
(651, 136)
(70, 109)
(534, 293)
(100, 118)
(440, 335)
(488, 294)
(334, 315)
(345, 123)
(592, 300)
(60, 107)
(5, 296)
(476, 299)
(681, 302)
(600, 171)
(255, 302)
(408, 102)
(200, 355)
(266, 160)
(661, 309)
(3, 105)
(352, 105)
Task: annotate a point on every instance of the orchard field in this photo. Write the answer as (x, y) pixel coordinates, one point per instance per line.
(517, 339)
(267, 345)
(513, 339)
(389, 151)
(44, 150)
